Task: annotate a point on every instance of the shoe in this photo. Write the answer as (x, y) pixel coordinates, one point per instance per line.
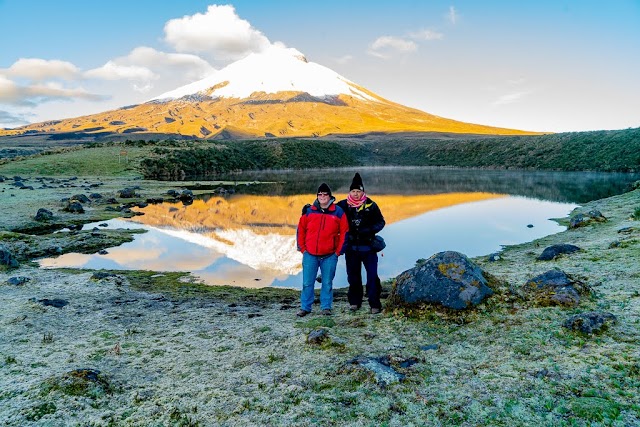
(326, 312)
(354, 308)
(376, 311)
(302, 313)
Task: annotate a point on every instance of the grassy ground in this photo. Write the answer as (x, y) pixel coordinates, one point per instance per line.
(165, 350)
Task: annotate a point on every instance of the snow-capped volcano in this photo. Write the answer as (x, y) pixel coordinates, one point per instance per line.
(275, 93)
(278, 69)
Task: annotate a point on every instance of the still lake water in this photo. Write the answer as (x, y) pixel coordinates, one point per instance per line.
(248, 238)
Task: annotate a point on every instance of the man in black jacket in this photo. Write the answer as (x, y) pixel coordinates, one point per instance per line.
(365, 220)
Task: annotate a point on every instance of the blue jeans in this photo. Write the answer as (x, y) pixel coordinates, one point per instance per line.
(310, 265)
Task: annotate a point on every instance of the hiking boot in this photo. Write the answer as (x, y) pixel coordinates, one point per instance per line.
(354, 308)
(302, 313)
(376, 311)
(326, 312)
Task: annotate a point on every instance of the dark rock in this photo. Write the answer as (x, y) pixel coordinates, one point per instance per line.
(155, 201)
(95, 196)
(104, 224)
(381, 369)
(173, 193)
(592, 322)
(102, 275)
(317, 336)
(74, 207)
(447, 278)
(529, 225)
(18, 280)
(553, 251)
(56, 302)
(626, 230)
(6, 258)
(128, 193)
(26, 187)
(494, 257)
(54, 250)
(111, 201)
(553, 287)
(583, 219)
(44, 215)
(80, 198)
(429, 347)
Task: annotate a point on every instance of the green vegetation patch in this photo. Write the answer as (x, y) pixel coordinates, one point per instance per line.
(97, 160)
(210, 160)
(181, 285)
(595, 408)
(80, 382)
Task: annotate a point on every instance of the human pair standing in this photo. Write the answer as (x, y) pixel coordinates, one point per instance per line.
(325, 231)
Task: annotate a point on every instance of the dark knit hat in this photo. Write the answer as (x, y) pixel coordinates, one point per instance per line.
(324, 188)
(356, 184)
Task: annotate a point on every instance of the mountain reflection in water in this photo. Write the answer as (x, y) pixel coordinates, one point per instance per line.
(249, 240)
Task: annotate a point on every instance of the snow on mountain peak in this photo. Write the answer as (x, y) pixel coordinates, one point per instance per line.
(277, 69)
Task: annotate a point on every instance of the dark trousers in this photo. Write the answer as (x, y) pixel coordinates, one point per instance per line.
(355, 260)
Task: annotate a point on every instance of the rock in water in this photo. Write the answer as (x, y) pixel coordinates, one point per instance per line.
(447, 278)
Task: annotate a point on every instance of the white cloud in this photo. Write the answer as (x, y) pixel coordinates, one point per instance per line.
(510, 98)
(383, 46)
(219, 31)
(11, 119)
(427, 35)
(32, 95)
(113, 71)
(41, 69)
(343, 59)
(190, 66)
(452, 16)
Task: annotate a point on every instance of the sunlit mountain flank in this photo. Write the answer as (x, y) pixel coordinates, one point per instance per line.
(276, 93)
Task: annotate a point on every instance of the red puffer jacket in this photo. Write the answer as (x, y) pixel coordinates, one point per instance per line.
(322, 231)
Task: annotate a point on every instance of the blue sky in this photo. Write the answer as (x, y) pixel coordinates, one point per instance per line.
(545, 65)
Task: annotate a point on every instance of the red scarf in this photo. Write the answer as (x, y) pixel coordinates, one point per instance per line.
(356, 203)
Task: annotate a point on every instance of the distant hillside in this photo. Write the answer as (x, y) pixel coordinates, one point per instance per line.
(178, 159)
(600, 150)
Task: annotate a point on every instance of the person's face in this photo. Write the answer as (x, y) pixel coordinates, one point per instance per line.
(323, 198)
(356, 194)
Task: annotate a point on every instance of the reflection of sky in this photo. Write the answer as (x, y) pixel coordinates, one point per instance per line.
(477, 228)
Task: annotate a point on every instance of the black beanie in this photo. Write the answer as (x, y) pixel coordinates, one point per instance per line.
(324, 188)
(357, 184)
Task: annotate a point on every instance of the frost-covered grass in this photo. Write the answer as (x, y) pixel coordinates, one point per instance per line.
(173, 352)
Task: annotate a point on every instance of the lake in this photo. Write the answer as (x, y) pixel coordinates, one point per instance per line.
(246, 237)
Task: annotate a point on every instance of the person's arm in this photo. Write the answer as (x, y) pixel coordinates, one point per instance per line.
(301, 234)
(376, 221)
(344, 233)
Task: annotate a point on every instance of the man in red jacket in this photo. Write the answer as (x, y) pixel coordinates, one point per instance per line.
(321, 237)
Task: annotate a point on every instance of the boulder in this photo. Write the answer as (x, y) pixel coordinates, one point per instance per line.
(74, 207)
(447, 278)
(44, 215)
(583, 219)
(553, 251)
(127, 193)
(553, 287)
(6, 258)
(80, 198)
(591, 322)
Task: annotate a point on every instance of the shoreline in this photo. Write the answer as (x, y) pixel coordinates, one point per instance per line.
(171, 351)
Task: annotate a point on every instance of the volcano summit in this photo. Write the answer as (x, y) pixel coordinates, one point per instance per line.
(275, 93)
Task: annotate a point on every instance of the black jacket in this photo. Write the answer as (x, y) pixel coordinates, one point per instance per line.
(364, 223)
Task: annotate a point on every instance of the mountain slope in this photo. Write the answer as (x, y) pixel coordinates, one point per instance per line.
(277, 93)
